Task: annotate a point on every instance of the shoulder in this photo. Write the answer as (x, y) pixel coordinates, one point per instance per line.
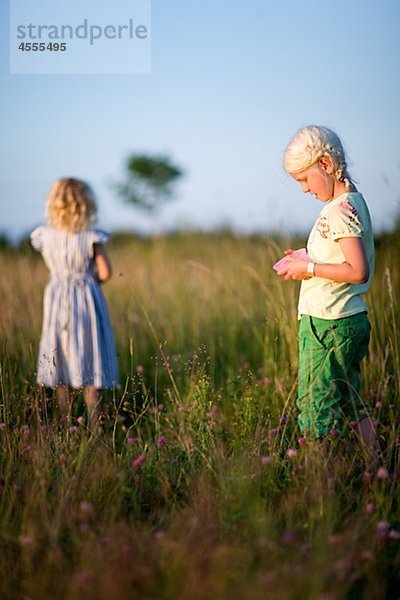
(97, 236)
(344, 215)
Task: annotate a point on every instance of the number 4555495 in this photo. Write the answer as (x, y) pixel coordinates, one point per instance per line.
(42, 47)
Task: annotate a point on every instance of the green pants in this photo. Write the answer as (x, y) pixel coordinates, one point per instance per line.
(330, 353)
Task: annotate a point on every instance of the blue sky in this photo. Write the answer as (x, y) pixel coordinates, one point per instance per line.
(229, 85)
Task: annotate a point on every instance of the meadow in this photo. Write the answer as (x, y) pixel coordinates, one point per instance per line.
(201, 486)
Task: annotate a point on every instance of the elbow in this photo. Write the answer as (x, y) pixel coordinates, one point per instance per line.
(104, 275)
(362, 276)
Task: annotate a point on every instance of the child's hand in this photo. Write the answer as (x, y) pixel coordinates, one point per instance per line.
(294, 268)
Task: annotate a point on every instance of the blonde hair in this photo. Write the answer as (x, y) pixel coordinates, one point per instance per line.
(71, 205)
(311, 143)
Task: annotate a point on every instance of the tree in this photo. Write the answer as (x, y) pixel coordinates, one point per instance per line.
(149, 181)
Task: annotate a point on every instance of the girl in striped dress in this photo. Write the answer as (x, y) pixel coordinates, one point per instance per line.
(76, 347)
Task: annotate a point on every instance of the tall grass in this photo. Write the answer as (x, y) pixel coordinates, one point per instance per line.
(201, 486)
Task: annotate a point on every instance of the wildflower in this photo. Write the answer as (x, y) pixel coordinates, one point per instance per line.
(140, 369)
(302, 440)
(378, 405)
(292, 453)
(369, 508)
(137, 463)
(62, 458)
(161, 441)
(25, 540)
(282, 421)
(83, 578)
(273, 432)
(382, 529)
(72, 429)
(394, 535)
(2, 426)
(334, 433)
(288, 537)
(132, 440)
(382, 473)
(266, 460)
(86, 508)
(80, 420)
(366, 556)
(25, 429)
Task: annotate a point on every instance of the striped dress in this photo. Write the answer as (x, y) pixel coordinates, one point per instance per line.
(77, 346)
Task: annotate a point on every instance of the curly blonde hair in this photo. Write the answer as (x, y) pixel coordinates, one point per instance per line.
(71, 205)
(311, 143)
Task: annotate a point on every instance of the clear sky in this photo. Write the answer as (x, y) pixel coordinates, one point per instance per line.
(230, 83)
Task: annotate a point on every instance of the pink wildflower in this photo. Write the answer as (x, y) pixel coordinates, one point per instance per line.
(83, 578)
(334, 433)
(302, 440)
(86, 508)
(25, 540)
(382, 529)
(266, 460)
(273, 432)
(132, 440)
(282, 421)
(161, 441)
(73, 429)
(137, 463)
(140, 369)
(394, 535)
(80, 420)
(378, 405)
(292, 453)
(382, 473)
(369, 508)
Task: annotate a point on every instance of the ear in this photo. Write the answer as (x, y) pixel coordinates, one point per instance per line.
(326, 164)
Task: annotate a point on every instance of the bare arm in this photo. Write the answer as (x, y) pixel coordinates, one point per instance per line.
(355, 269)
(103, 264)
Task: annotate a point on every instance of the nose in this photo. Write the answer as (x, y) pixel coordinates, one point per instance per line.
(305, 188)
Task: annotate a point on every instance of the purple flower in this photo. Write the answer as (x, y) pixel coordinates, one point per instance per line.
(302, 440)
(282, 421)
(334, 433)
(161, 441)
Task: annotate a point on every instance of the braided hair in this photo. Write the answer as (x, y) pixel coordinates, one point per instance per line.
(311, 143)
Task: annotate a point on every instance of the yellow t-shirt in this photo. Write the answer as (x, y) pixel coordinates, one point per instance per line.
(345, 216)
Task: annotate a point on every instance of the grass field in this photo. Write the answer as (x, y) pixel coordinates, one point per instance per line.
(202, 487)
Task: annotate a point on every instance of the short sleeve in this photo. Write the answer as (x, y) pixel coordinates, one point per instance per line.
(37, 238)
(344, 221)
(97, 236)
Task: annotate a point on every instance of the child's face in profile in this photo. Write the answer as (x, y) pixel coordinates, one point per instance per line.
(317, 180)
